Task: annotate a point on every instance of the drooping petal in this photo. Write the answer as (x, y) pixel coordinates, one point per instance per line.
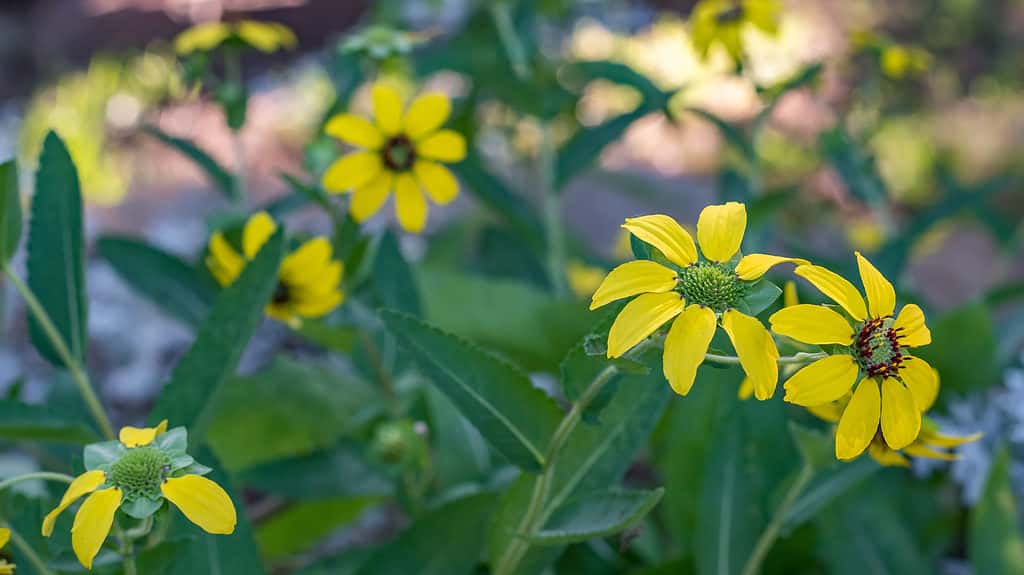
(368, 199)
(789, 296)
(224, 263)
(911, 328)
(947, 441)
(257, 230)
(753, 266)
(410, 204)
(720, 230)
(881, 294)
(632, 278)
(355, 130)
(203, 502)
(756, 350)
(437, 180)
(836, 287)
(352, 171)
(444, 146)
(823, 381)
(746, 389)
(901, 418)
(82, 485)
(387, 109)
(665, 234)
(921, 450)
(137, 437)
(922, 380)
(687, 342)
(813, 324)
(92, 524)
(830, 411)
(887, 457)
(640, 318)
(859, 423)
(426, 114)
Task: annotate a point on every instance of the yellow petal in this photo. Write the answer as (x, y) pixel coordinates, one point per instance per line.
(437, 180)
(203, 502)
(5, 536)
(756, 350)
(83, 484)
(948, 441)
(859, 423)
(789, 295)
(830, 412)
(881, 294)
(640, 318)
(687, 342)
(410, 204)
(352, 171)
(257, 230)
(444, 146)
(901, 419)
(137, 437)
(720, 230)
(266, 36)
(224, 263)
(746, 390)
(911, 328)
(836, 287)
(368, 199)
(920, 450)
(823, 381)
(813, 324)
(355, 130)
(665, 234)
(887, 457)
(92, 524)
(387, 109)
(308, 260)
(753, 266)
(201, 38)
(922, 380)
(632, 278)
(426, 114)
(320, 305)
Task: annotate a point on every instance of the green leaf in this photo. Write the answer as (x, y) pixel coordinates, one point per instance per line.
(597, 514)
(219, 343)
(10, 210)
(56, 250)
(299, 527)
(815, 447)
(759, 296)
(995, 542)
(461, 454)
(222, 178)
(164, 279)
(620, 74)
(734, 136)
(446, 541)
(342, 471)
(586, 145)
(825, 488)
(967, 332)
(855, 166)
(584, 362)
(503, 202)
(393, 279)
(339, 338)
(22, 422)
(497, 397)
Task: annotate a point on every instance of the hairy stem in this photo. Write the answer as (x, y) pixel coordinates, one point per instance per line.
(29, 553)
(127, 550)
(76, 370)
(796, 358)
(554, 229)
(771, 532)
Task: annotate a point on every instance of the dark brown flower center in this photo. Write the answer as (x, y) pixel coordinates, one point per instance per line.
(877, 347)
(399, 154)
(730, 15)
(282, 294)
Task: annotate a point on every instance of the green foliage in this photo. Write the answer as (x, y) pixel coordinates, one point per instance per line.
(10, 210)
(994, 537)
(220, 176)
(22, 422)
(596, 514)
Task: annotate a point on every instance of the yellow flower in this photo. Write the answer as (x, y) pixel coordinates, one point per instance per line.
(399, 151)
(583, 278)
(309, 281)
(869, 345)
(712, 283)
(264, 36)
(5, 567)
(725, 20)
(136, 474)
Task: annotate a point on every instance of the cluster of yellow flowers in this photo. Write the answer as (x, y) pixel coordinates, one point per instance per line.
(864, 379)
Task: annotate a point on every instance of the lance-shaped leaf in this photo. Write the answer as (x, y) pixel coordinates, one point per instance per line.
(223, 179)
(10, 210)
(598, 514)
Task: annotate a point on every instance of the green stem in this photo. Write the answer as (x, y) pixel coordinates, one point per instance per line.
(771, 532)
(78, 374)
(41, 475)
(30, 554)
(514, 48)
(554, 229)
(796, 358)
(127, 553)
(233, 75)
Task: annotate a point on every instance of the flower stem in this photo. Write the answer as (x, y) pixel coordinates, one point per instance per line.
(554, 230)
(771, 532)
(514, 48)
(77, 372)
(41, 475)
(30, 554)
(797, 358)
(127, 552)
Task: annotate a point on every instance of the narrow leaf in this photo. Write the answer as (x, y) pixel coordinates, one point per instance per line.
(10, 210)
(586, 145)
(596, 515)
(222, 178)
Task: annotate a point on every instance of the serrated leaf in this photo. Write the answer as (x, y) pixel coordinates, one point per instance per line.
(597, 514)
(995, 540)
(342, 471)
(587, 144)
(21, 422)
(10, 210)
(497, 397)
(219, 343)
(56, 250)
(221, 177)
(164, 279)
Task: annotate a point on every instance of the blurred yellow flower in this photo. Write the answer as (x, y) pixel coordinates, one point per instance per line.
(873, 351)
(400, 151)
(713, 285)
(583, 278)
(724, 22)
(138, 476)
(5, 567)
(309, 281)
(264, 36)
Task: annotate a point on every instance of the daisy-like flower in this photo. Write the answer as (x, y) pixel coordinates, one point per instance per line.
(869, 345)
(401, 152)
(309, 281)
(724, 21)
(266, 37)
(5, 567)
(136, 474)
(700, 291)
